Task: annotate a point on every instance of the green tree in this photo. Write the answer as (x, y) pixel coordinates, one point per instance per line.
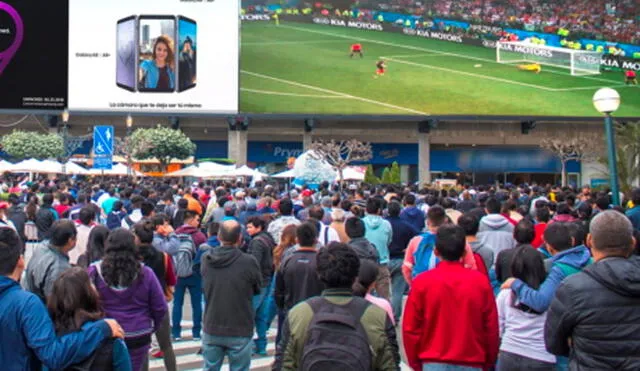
(161, 143)
(386, 176)
(370, 176)
(22, 145)
(394, 173)
(628, 155)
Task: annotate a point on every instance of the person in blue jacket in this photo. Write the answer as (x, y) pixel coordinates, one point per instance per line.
(27, 336)
(634, 213)
(566, 260)
(158, 73)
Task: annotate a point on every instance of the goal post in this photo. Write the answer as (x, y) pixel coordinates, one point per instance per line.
(578, 62)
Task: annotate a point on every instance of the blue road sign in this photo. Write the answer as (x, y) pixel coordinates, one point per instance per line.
(102, 162)
(102, 147)
(103, 140)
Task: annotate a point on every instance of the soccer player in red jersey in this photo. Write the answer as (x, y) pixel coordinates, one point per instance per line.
(630, 77)
(356, 49)
(381, 66)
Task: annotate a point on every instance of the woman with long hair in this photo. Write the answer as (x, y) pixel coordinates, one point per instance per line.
(521, 328)
(287, 241)
(73, 303)
(162, 265)
(158, 73)
(95, 246)
(366, 282)
(130, 293)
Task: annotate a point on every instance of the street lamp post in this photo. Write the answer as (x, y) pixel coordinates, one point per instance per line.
(607, 101)
(129, 123)
(65, 139)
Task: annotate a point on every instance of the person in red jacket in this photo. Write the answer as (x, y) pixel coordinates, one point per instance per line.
(450, 317)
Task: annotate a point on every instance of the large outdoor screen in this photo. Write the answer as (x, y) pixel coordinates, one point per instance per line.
(142, 56)
(438, 57)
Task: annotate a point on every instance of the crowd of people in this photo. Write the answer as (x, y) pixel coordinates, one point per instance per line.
(592, 19)
(513, 278)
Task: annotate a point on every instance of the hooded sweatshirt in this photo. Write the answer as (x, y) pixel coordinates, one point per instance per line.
(378, 231)
(364, 249)
(496, 232)
(563, 265)
(231, 277)
(413, 216)
(28, 339)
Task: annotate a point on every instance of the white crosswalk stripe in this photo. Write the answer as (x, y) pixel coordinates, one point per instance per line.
(188, 359)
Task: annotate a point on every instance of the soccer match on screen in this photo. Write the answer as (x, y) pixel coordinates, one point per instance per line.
(443, 57)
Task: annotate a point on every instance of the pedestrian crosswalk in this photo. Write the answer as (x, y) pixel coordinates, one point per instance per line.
(188, 359)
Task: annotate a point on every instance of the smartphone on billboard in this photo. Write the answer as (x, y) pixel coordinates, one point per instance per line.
(187, 53)
(157, 54)
(126, 51)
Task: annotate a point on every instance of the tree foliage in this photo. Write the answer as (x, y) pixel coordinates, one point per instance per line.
(341, 154)
(579, 147)
(394, 173)
(386, 176)
(162, 143)
(370, 176)
(22, 145)
(628, 155)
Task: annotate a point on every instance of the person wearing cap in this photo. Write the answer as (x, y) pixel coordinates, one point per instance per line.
(230, 210)
(194, 205)
(338, 217)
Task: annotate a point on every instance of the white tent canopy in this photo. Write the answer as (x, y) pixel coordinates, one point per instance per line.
(204, 170)
(33, 166)
(247, 171)
(284, 175)
(116, 170)
(5, 166)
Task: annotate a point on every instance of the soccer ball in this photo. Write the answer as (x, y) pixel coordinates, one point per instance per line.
(477, 66)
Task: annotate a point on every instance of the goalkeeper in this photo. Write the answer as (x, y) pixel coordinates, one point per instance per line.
(533, 67)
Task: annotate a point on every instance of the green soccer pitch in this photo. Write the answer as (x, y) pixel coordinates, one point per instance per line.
(300, 68)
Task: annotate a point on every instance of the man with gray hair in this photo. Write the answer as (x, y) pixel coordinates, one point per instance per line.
(595, 316)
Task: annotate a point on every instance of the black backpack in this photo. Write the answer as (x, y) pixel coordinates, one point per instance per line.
(336, 340)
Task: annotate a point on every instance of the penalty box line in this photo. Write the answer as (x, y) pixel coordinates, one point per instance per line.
(344, 95)
(410, 47)
(498, 79)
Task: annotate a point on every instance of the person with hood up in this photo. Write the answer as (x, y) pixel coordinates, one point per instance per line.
(495, 230)
(595, 315)
(411, 214)
(563, 214)
(379, 232)
(364, 249)
(567, 260)
(248, 213)
(231, 277)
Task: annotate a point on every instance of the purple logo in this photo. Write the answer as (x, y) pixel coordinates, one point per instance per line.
(7, 55)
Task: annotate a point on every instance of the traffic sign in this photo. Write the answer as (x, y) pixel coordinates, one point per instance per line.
(103, 140)
(102, 162)
(103, 147)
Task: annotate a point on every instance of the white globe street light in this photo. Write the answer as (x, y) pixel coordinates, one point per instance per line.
(607, 101)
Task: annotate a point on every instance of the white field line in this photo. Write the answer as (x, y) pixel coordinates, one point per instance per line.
(597, 87)
(258, 43)
(344, 95)
(268, 92)
(416, 55)
(424, 49)
(471, 74)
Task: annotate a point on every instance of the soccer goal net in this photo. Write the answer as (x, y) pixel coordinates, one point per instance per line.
(579, 62)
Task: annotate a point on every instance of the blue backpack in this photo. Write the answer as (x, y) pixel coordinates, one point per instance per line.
(424, 257)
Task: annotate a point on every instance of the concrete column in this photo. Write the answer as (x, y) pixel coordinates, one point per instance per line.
(424, 155)
(307, 139)
(237, 146)
(404, 173)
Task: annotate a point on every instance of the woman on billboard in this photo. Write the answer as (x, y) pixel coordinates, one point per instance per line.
(158, 73)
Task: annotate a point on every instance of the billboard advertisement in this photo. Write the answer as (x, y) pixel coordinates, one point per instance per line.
(154, 56)
(334, 60)
(33, 54)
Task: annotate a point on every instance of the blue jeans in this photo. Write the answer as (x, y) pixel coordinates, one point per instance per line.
(262, 309)
(215, 348)
(192, 283)
(447, 367)
(398, 287)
